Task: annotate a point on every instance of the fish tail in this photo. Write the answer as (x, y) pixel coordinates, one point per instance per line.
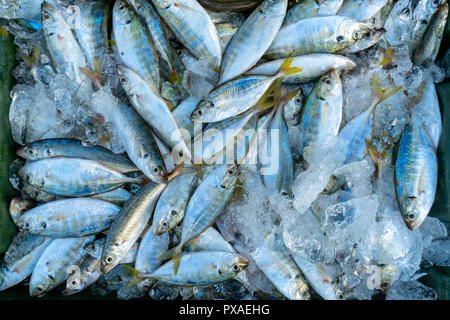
(175, 255)
(380, 94)
(143, 179)
(136, 276)
(174, 77)
(286, 69)
(378, 157)
(95, 76)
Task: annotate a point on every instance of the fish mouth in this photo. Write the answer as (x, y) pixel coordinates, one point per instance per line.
(69, 292)
(157, 230)
(242, 262)
(21, 152)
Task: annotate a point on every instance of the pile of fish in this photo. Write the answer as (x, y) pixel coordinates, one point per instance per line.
(214, 149)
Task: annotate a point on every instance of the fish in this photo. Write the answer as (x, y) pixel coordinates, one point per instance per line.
(226, 32)
(237, 96)
(205, 206)
(252, 39)
(90, 29)
(359, 129)
(318, 278)
(370, 38)
(321, 116)
(416, 170)
(328, 34)
(66, 54)
(432, 38)
(200, 268)
(134, 45)
(52, 267)
(193, 27)
(422, 17)
(312, 8)
(313, 67)
(38, 195)
(129, 224)
(282, 162)
(157, 31)
(18, 207)
(173, 202)
(151, 247)
(361, 10)
(21, 258)
(182, 115)
(66, 218)
(153, 109)
(71, 148)
(73, 177)
(282, 272)
(134, 133)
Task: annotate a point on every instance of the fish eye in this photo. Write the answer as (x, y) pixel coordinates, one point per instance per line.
(367, 35)
(211, 104)
(40, 288)
(121, 7)
(46, 16)
(230, 172)
(298, 100)
(36, 194)
(180, 154)
(27, 225)
(411, 216)
(384, 285)
(166, 5)
(305, 293)
(109, 259)
(341, 296)
(327, 81)
(155, 169)
(43, 225)
(436, 2)
(284, 193)
(235, 267)
(356, 35)
(27, 177)
(123, 80)
(340, 38)
(323, 97)
(30, 151)
(199, 112)
(173, 212)
(164, 224)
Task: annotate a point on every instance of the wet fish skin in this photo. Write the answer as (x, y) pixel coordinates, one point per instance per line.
(71, 148)
(134, 44)
(193, 27)
(67, 56)
(117, 196)
(52, 268)
(173, 202)
(72, 177)
(431, 42)
(201, 268)
(154, 110)
(314, 66)
(322, 114)
(156, 28)
(14, 272)
(415, 174)
(76, 217)
(361, 10)
(38, 195)
(328, 34)
(312, 8)
(252, 39)
(90, 30)
(282, 272)
(129, 224)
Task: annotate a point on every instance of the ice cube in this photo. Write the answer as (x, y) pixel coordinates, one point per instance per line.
(410, 290)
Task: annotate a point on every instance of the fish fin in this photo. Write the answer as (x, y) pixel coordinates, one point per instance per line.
(135, 276)
(175, 255)
(388, 55)
(380, 94)
(4, 32)
(96, 75)
(180, 169)
(286, 69)
(32, 60)
(112, 43)
(174, 77)
(141, 180)
(180, 5)
(378, 157)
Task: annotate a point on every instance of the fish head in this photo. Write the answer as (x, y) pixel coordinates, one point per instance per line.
(33, 223)
(300, 289)
(163, 225)
(436, 3)
(159, 174)
(229, 176)
(350, 32)
(203, 110)
(95, 248)
(129, 81)
(327, 85)
(110, 258)
(163, 4)
(19, 206)
(50, 15)
(31, 152)
(122, 12)
(414, 212)
(238, 264)
(41, 288)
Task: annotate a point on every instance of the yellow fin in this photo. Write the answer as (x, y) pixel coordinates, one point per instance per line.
(286, 69)
(135, 276)
(175, 255)
(388, 55)
(380, 94)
